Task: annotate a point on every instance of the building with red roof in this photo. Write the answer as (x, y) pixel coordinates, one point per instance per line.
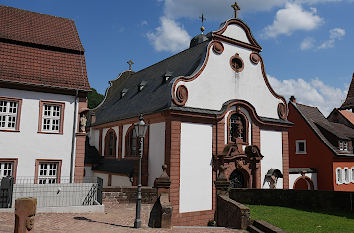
(43, 90)
(321, 149)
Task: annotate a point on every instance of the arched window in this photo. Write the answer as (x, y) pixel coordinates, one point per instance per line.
(110, 143)
(237, 128)
(131, 145)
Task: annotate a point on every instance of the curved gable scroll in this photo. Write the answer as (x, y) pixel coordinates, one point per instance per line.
(250, 44)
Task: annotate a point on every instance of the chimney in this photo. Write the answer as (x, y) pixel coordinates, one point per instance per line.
(293, 99)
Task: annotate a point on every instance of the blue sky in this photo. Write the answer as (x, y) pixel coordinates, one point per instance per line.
(307, 44)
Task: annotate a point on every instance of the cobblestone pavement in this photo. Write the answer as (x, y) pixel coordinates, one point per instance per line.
(117, 218)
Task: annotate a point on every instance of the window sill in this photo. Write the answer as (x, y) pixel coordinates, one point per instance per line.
(301, 153)
(50, 132)
(10, 130)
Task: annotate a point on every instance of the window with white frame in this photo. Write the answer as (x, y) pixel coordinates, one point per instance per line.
(8, 114)
(300, 146)
(343, 145)
(347, 177)
(6, 169)
(352, 174)
(339, 176)
(51, 118)
(48, 173)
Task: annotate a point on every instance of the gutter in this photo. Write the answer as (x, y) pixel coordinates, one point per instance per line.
(73, 138)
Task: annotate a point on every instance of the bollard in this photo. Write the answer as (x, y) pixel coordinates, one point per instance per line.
(25, 210)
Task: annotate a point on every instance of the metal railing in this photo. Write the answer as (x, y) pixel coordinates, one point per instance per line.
(85, 191)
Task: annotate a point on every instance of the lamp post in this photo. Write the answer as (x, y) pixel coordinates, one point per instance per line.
(140, 129)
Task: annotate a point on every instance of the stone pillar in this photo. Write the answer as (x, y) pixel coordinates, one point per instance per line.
(222, 183)
(25, 210)
(161, 213)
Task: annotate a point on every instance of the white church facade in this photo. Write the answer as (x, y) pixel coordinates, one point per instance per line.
(207, 106)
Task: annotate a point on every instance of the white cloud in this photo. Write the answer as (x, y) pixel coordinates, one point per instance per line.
(170, 36)
(307, 43)
(334, 34)
(215, 9)
(292, 18)
(318, 1)
(313, 93)
(143, 23)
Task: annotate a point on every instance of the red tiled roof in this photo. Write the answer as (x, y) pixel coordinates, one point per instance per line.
(348, 115)
(31, 27)
(25, 57)
(31, 65)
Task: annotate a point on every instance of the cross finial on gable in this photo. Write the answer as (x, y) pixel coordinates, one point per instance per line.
(236, 8)
(203, 19)
(130, 63)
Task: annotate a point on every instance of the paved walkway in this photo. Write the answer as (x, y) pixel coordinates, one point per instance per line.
(117, 218)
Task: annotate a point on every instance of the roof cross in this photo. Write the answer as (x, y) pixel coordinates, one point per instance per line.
(130, 63)
(203, 19)
(236, 8)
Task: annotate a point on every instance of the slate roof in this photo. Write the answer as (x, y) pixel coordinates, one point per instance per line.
(99, 163)
(156, 95)
(92, 156)
(40, 50)
(122, 166)
(349, 101)
(318, 123)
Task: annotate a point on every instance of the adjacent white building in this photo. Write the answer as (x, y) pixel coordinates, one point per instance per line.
(43, 89)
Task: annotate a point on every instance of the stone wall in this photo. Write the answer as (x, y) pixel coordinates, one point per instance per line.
(128, 194)
(230, 213)
(300, 199)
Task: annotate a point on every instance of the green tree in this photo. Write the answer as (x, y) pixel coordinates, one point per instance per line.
(94, 98)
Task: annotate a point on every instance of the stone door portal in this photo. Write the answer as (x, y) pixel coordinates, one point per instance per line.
(237, 179)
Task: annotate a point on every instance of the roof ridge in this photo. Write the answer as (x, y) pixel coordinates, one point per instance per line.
(36, 12)
(168, 58)
(307, 105)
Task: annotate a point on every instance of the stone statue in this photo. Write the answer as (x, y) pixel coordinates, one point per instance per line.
(83, 121)
(237, 129)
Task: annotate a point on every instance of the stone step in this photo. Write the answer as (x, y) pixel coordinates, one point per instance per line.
(267, 227)
(254, 229)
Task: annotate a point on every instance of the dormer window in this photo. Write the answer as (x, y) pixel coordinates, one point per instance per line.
(343, 145)
(123, 92)
(166, 76)
(141, 85)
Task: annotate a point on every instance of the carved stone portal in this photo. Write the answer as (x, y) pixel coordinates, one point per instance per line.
(245, 164)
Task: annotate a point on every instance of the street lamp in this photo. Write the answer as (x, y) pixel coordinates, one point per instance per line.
(140, 130)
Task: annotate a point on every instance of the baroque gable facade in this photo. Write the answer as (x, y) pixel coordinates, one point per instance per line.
(207, 106)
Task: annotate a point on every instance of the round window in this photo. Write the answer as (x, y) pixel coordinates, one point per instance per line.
(236, 63)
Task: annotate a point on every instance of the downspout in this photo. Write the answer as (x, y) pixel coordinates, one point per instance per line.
(73, 138)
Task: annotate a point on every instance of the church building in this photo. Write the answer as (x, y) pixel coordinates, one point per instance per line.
(209, 105)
